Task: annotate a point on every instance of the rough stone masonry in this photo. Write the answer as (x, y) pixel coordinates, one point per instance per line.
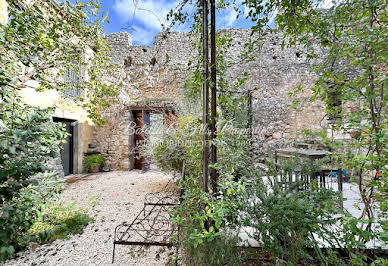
(156, 74)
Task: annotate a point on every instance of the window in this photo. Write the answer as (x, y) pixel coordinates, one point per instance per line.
(73, 79)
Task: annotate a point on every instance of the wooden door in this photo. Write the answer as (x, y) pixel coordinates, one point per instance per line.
(139, 139)
(67, 151)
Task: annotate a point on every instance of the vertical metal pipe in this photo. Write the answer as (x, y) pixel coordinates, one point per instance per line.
(250, 127)
(213, 70)
(340, 186)
(114, 248)
(205, 94)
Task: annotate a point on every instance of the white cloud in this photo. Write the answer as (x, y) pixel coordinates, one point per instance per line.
(273, 17)
(329, 3)
(152, 13)
(141, 36)
(225, 18)
(231, 18)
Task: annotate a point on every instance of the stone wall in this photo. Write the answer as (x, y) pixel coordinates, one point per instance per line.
(145, 72)
(273, 74)
(119, 44)
(157, 73)
(112, 139)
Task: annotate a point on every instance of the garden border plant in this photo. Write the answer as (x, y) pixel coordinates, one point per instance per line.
(92, 163)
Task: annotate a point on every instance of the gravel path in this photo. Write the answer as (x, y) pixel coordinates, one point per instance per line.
(110, 198)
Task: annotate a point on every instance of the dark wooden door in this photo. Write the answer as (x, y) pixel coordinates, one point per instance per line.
(67, 150)
(142, 121)
(139, 139)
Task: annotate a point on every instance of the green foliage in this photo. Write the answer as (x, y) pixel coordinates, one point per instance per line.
(352, 71)
(94, 201)
(31, 140)
(32, 216)
(205, 218)
(192, 87)
(355, 68)
(199, 210)
(210, 250)
(91, 161)
(380, 262)
(42, 42)
(183, 143)
(200, 218)
(20, 213)
(58, 222)
(287, 222)
(28, 141)
(293, 221)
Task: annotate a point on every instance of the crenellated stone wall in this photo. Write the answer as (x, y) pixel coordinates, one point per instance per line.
(119, 44)
(156, 74)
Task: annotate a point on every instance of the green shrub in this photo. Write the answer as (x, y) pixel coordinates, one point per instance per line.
(58, 222)
(28, 140)
(19, 214)
(31, 140)
(179, 145)
(220, 250)
(31, 217)
(91, 161)
(201, 219)
(285, 221)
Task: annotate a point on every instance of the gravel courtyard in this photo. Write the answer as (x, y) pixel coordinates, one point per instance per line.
(110, 198)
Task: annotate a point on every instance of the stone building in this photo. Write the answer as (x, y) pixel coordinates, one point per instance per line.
(151, 79)
(148, 88)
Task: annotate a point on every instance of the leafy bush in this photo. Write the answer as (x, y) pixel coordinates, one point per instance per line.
(287, 222)
(219, 249)
(27, 142)
(291, 225)
(31, 216)
(31, 140)
(58, 222)
(179, 145)
(91, 161)
(201, 219)
(19, 214)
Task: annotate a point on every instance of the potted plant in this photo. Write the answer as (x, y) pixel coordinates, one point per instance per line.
(93, 163)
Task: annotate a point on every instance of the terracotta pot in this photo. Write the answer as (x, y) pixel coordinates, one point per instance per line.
(95, 169)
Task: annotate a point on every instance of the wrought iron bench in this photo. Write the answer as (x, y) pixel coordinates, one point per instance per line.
(152, 226)
(167, 196)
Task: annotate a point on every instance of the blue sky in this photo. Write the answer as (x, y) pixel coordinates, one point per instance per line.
(145, 17)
